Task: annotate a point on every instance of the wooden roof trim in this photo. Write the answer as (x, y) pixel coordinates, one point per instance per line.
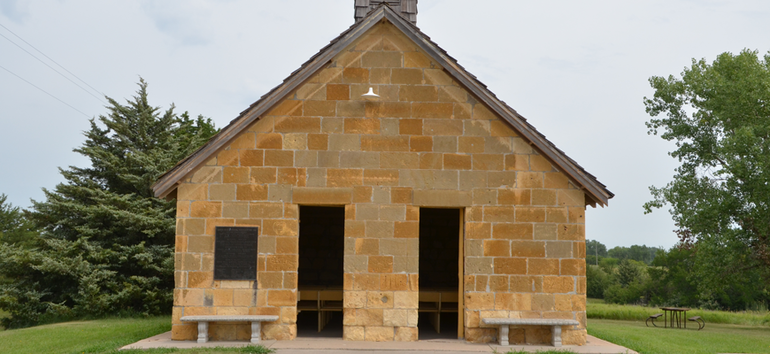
(168, 182)
(509, 115)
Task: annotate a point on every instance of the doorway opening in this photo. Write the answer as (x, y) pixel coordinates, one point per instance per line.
(440, 273)
(319, 282)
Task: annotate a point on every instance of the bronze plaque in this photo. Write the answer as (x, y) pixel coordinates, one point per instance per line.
(235, 253)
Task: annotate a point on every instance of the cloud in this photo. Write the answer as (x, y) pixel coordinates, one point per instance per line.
(186, 22)
(14, 10)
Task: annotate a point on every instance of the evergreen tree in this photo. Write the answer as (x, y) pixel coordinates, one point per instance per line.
(106, 243)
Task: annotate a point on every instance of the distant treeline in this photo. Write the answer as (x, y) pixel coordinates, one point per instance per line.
(659, 277)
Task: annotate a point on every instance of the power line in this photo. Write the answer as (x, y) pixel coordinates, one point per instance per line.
(52, 68)
(44, 91)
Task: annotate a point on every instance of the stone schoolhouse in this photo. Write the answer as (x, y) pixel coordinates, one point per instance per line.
(432, 203)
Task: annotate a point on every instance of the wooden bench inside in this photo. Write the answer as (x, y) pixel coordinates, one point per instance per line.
(504, 324)
(203, 324)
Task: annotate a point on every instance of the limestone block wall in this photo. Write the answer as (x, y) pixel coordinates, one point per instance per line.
(426, 142)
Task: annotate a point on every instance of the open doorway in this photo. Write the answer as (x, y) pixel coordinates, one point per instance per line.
(440, 273)
(321, 254)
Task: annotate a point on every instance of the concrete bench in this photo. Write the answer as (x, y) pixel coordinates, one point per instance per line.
(505, 322)
(256, 324)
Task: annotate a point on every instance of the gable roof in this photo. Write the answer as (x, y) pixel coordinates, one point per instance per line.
(596, 191)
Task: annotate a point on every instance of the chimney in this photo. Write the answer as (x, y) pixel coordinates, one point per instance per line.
(406, 8)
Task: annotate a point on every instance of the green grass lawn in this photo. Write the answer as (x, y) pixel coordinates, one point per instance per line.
(598, 309)
(714, 338)
(99, 336)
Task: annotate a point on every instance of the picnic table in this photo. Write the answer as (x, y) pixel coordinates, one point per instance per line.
(675, 315)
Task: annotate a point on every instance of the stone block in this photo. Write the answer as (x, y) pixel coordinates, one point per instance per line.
(206, 209)
(329, 196)
(367, 246)
(512, 266)
(270, 280)
(471, 144)
(530, 214)
(388, 110)
(295, 141)
(337, 92)
(445, 127)
(394, 282)
(437, 110)
(221, 192)
(558, 249)
(505, 179)
(499, 214)
(279, 158)
(579, 249)
(573, 267)
(571, 232)
(410, 126)
(479, 301)
(184, 331)
(279, 227)
(539, 163)
(352, 75)
(556, 215)
(543, 197)
(407, 229)
(480, 265)
(514, 196)
(478, 230)
(527, 249)
(355, 333)
(439, 198)
(311, 91)
(207, 174)
(488, 162)
(227, 158)
(484, 196)
(382, 60)
(577, 215)
(416, 60)
(437, 77)
(543, 266)
(431, 161)
(281, 263)
(555, 180)
(444, 143)
(421, 143)
(200, 244)
(287, 245)
(516, 162)
(497, 248)
(339, 142)
(362, 126)
(379, 334)
(200, 279)
(269, 141)
(457, 161)
(552, 284)
(406, 334)
(333, 125)
(384, 143)
(571, 198)
(470, 180)
(525, 284)
(498, 283)
(281, 298)
(543, 302)
(380, 264)
(186, 192)
(250, 158)
(408, 76)
(279, 331)
(287, 108)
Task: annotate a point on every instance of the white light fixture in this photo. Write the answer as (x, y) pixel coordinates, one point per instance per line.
(370, 95)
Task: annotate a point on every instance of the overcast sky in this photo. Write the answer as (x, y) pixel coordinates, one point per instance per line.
(577, 70)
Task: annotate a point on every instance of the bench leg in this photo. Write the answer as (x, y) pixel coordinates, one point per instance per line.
(256, 332)
(203, 332)
(556, 334)
(503, 334)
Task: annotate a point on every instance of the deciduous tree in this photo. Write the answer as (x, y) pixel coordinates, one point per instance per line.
(718, 115)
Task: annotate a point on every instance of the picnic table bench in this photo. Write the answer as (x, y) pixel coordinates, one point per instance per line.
(203, 324)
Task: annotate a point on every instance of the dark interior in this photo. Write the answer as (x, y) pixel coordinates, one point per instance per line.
(439, 253)
(321, 246)
(321, 254)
